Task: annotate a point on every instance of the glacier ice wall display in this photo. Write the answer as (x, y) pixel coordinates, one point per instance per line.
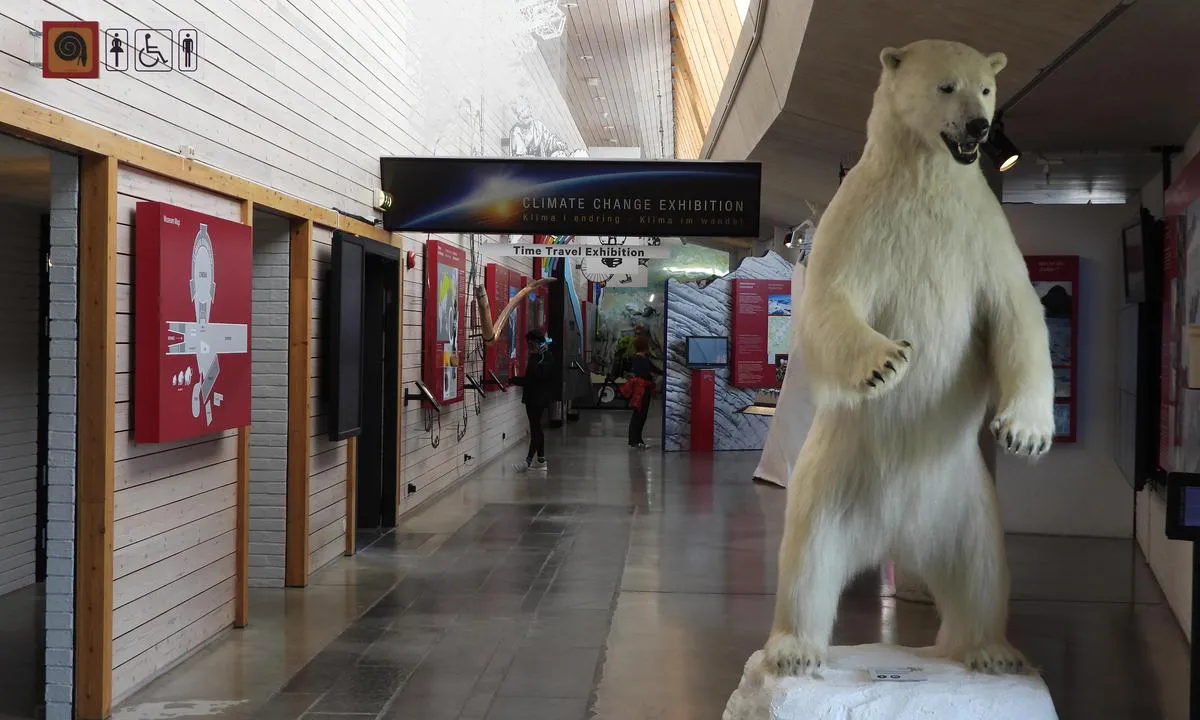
(695, 310)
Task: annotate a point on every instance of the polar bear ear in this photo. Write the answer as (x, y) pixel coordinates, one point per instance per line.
(890, 57)
(998, 61)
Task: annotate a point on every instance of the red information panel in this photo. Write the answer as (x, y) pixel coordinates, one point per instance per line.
(762, 318)
(445, 339)
(1056, 279)
(1178, 296)
(500, 358)
(522, 328)
(192, 330)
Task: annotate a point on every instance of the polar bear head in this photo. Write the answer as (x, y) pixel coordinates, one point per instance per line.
(943, 93)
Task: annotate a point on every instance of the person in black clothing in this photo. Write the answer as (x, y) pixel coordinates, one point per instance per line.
(537, 384)
(642, 385)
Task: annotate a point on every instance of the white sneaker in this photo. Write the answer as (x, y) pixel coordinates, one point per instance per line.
(540, 466)
(521, 467)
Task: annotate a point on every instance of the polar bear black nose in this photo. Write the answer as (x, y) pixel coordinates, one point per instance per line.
(977, 129)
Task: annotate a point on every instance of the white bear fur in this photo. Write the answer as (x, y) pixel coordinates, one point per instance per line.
(917, 316)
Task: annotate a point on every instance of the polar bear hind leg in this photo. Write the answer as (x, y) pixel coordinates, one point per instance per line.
(965, 568)
(826, 541)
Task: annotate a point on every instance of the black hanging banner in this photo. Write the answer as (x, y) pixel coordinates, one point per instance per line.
(628, 198)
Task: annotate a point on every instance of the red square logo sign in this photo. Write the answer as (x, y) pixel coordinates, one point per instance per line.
(192, 323)
(70, 49)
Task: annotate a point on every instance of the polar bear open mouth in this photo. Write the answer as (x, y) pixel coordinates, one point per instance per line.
(964, 153)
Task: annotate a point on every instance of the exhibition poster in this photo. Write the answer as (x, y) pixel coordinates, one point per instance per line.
(1056, 279)
(762, 318)
(192, 323)
(445, 336)
(1179, 410)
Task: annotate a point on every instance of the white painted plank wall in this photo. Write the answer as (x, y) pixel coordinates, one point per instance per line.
(300, 95)
(327, 459)
(305, 97)
(19, 295)
(269, 401)
(174, 506)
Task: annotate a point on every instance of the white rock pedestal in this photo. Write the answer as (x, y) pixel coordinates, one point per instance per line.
(847, 691)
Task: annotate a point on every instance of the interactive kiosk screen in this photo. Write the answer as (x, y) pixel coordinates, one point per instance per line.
(707, 352)
(1183, 506)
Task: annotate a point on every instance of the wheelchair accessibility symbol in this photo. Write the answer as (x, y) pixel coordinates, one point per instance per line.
(152, 50)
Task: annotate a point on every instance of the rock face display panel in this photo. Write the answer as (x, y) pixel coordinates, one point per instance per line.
(692, 310)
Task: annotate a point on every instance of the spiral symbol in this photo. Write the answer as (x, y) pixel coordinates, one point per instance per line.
(70, 45)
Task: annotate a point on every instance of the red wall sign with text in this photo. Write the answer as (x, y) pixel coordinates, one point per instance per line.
(192, 324)
(762, 315)
(445, 340)
(1056, 279)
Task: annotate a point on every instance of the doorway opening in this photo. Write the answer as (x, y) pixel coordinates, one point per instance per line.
(39, 196)
(363, 382)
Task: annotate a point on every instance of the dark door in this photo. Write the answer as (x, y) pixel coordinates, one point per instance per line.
(377, 457)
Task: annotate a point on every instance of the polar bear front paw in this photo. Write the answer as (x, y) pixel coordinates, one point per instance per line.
(787, 655)
(880, 372)
(998, 658)
(1021, 434)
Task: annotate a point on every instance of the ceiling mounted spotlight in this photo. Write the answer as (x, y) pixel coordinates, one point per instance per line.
(1001, 150)
(586, 57)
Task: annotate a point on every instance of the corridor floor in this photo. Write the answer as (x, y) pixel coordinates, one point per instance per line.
(627, 585)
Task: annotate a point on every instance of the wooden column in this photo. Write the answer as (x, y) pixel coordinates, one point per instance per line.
(299, 410)
(96, 394)
(351, 497)
(241, 612)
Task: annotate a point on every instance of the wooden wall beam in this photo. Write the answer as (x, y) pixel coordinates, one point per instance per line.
(299, 406)
(21, 117)
(241, 612)
(96, 393)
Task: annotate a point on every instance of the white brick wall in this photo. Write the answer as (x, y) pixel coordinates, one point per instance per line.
(268, 409)
(60, 528)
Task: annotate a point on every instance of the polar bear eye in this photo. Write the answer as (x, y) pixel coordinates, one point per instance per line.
(946, 88)
(987, 91)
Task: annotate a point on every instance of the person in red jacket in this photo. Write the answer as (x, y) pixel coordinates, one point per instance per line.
(640, 389)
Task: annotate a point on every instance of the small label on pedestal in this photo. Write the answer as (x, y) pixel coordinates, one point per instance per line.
(897, 674)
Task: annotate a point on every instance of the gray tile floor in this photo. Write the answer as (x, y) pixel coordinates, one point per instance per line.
(627, 585)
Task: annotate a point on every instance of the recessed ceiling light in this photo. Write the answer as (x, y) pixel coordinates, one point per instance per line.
(609, 127)
(586, 57)
(570, 5)
(600, 98)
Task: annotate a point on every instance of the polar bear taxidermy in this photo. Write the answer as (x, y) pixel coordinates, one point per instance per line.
(917, 317)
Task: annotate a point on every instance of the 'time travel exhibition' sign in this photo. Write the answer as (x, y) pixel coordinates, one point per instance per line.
(572, 197)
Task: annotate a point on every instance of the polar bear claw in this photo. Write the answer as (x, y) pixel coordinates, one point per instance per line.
(884, 369)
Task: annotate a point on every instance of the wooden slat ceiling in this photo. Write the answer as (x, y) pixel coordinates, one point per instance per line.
(614, 68)
(703, 36)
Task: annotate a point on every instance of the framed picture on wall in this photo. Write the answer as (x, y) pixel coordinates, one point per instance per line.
(1056, 280)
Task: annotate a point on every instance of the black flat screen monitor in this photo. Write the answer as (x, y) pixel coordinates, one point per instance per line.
(345, 341)
(707, 351)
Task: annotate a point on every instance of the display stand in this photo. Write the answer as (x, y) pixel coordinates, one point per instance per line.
(704, 385)
(887, 682)
(1183, 523)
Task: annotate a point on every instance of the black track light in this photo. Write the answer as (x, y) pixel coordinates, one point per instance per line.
(1000, 149)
